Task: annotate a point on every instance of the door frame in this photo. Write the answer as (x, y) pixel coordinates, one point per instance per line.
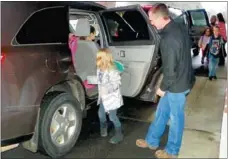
(153, 33)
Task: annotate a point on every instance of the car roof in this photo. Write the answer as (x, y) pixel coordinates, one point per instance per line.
(84, 5)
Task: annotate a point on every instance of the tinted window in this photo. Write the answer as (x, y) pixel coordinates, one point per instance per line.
(126, 26)
(198, 18)
(45, 26)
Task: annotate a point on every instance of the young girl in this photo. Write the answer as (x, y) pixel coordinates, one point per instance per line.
(110, 98)
(204, 40)
(215, 47)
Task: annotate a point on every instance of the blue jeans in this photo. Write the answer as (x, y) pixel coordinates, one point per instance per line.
(213, 63)
(112, 116)
(171, 106)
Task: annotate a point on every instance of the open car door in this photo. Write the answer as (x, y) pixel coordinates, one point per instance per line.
(133, 42)
(198, 21)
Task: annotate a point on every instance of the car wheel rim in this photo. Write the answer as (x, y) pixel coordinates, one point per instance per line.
(63, 125)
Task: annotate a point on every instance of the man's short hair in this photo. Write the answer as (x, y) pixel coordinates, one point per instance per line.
(213, 16)
(160, 10)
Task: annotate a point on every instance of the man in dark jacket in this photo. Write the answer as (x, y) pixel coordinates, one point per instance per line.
(178, 80)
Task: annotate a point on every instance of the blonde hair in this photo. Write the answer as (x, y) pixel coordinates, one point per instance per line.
(104, 60)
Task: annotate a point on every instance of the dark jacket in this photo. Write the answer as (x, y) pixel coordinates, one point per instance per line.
(177, 67)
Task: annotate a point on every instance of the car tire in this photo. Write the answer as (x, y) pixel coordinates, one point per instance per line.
(52, 108)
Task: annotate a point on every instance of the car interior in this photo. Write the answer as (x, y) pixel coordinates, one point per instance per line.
(123, 26)
(81, 28)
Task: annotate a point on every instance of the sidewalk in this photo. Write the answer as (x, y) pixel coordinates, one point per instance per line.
(223, 140)
(204, 115)
(204, 112)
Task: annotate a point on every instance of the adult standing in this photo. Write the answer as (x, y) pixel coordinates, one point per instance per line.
(222, 26)
(178, 80)
(213, 20)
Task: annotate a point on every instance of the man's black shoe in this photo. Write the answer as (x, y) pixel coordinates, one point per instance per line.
(210, 78)
(215, 77)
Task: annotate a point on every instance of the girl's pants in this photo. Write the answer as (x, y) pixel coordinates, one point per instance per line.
(112, 116)
(213, 63)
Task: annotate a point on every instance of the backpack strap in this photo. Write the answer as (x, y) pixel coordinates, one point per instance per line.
(73, 46)
(209, 45)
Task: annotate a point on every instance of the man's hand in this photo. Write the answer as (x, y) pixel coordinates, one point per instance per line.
(160, 92)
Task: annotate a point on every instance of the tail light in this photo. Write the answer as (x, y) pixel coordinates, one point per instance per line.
(2, 57)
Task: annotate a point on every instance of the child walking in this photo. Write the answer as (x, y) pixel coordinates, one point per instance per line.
(204, 40)
(215, 51)
(110, 98)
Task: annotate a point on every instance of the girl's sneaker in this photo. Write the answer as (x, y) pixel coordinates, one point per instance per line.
(104, 129)
(118, 137)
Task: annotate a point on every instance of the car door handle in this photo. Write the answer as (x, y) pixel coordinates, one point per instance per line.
(122, 53)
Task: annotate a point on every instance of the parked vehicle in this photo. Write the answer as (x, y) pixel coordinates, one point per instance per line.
(44, 89)
(41, 96)
(195, 20)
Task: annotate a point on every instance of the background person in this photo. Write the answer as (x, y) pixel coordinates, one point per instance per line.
(215, 47)
(204, 40)
(221, 24)
(213, 20)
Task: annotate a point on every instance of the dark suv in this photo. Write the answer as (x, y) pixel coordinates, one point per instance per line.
(44, 88)
(40, 92)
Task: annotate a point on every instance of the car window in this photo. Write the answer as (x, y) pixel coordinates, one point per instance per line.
(198, 18)
(45, 26)
(125, 26)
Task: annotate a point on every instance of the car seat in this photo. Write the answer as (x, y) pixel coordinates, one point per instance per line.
(84, 58)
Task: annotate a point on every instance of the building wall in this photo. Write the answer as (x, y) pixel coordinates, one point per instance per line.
(108, 4)
(182, 5)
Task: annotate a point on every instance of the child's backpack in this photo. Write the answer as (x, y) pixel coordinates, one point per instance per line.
(119, 66)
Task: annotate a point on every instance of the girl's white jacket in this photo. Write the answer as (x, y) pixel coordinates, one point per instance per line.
(109, 89)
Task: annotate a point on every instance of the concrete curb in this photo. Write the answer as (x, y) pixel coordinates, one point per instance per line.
(223, 139)
(10, 147)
